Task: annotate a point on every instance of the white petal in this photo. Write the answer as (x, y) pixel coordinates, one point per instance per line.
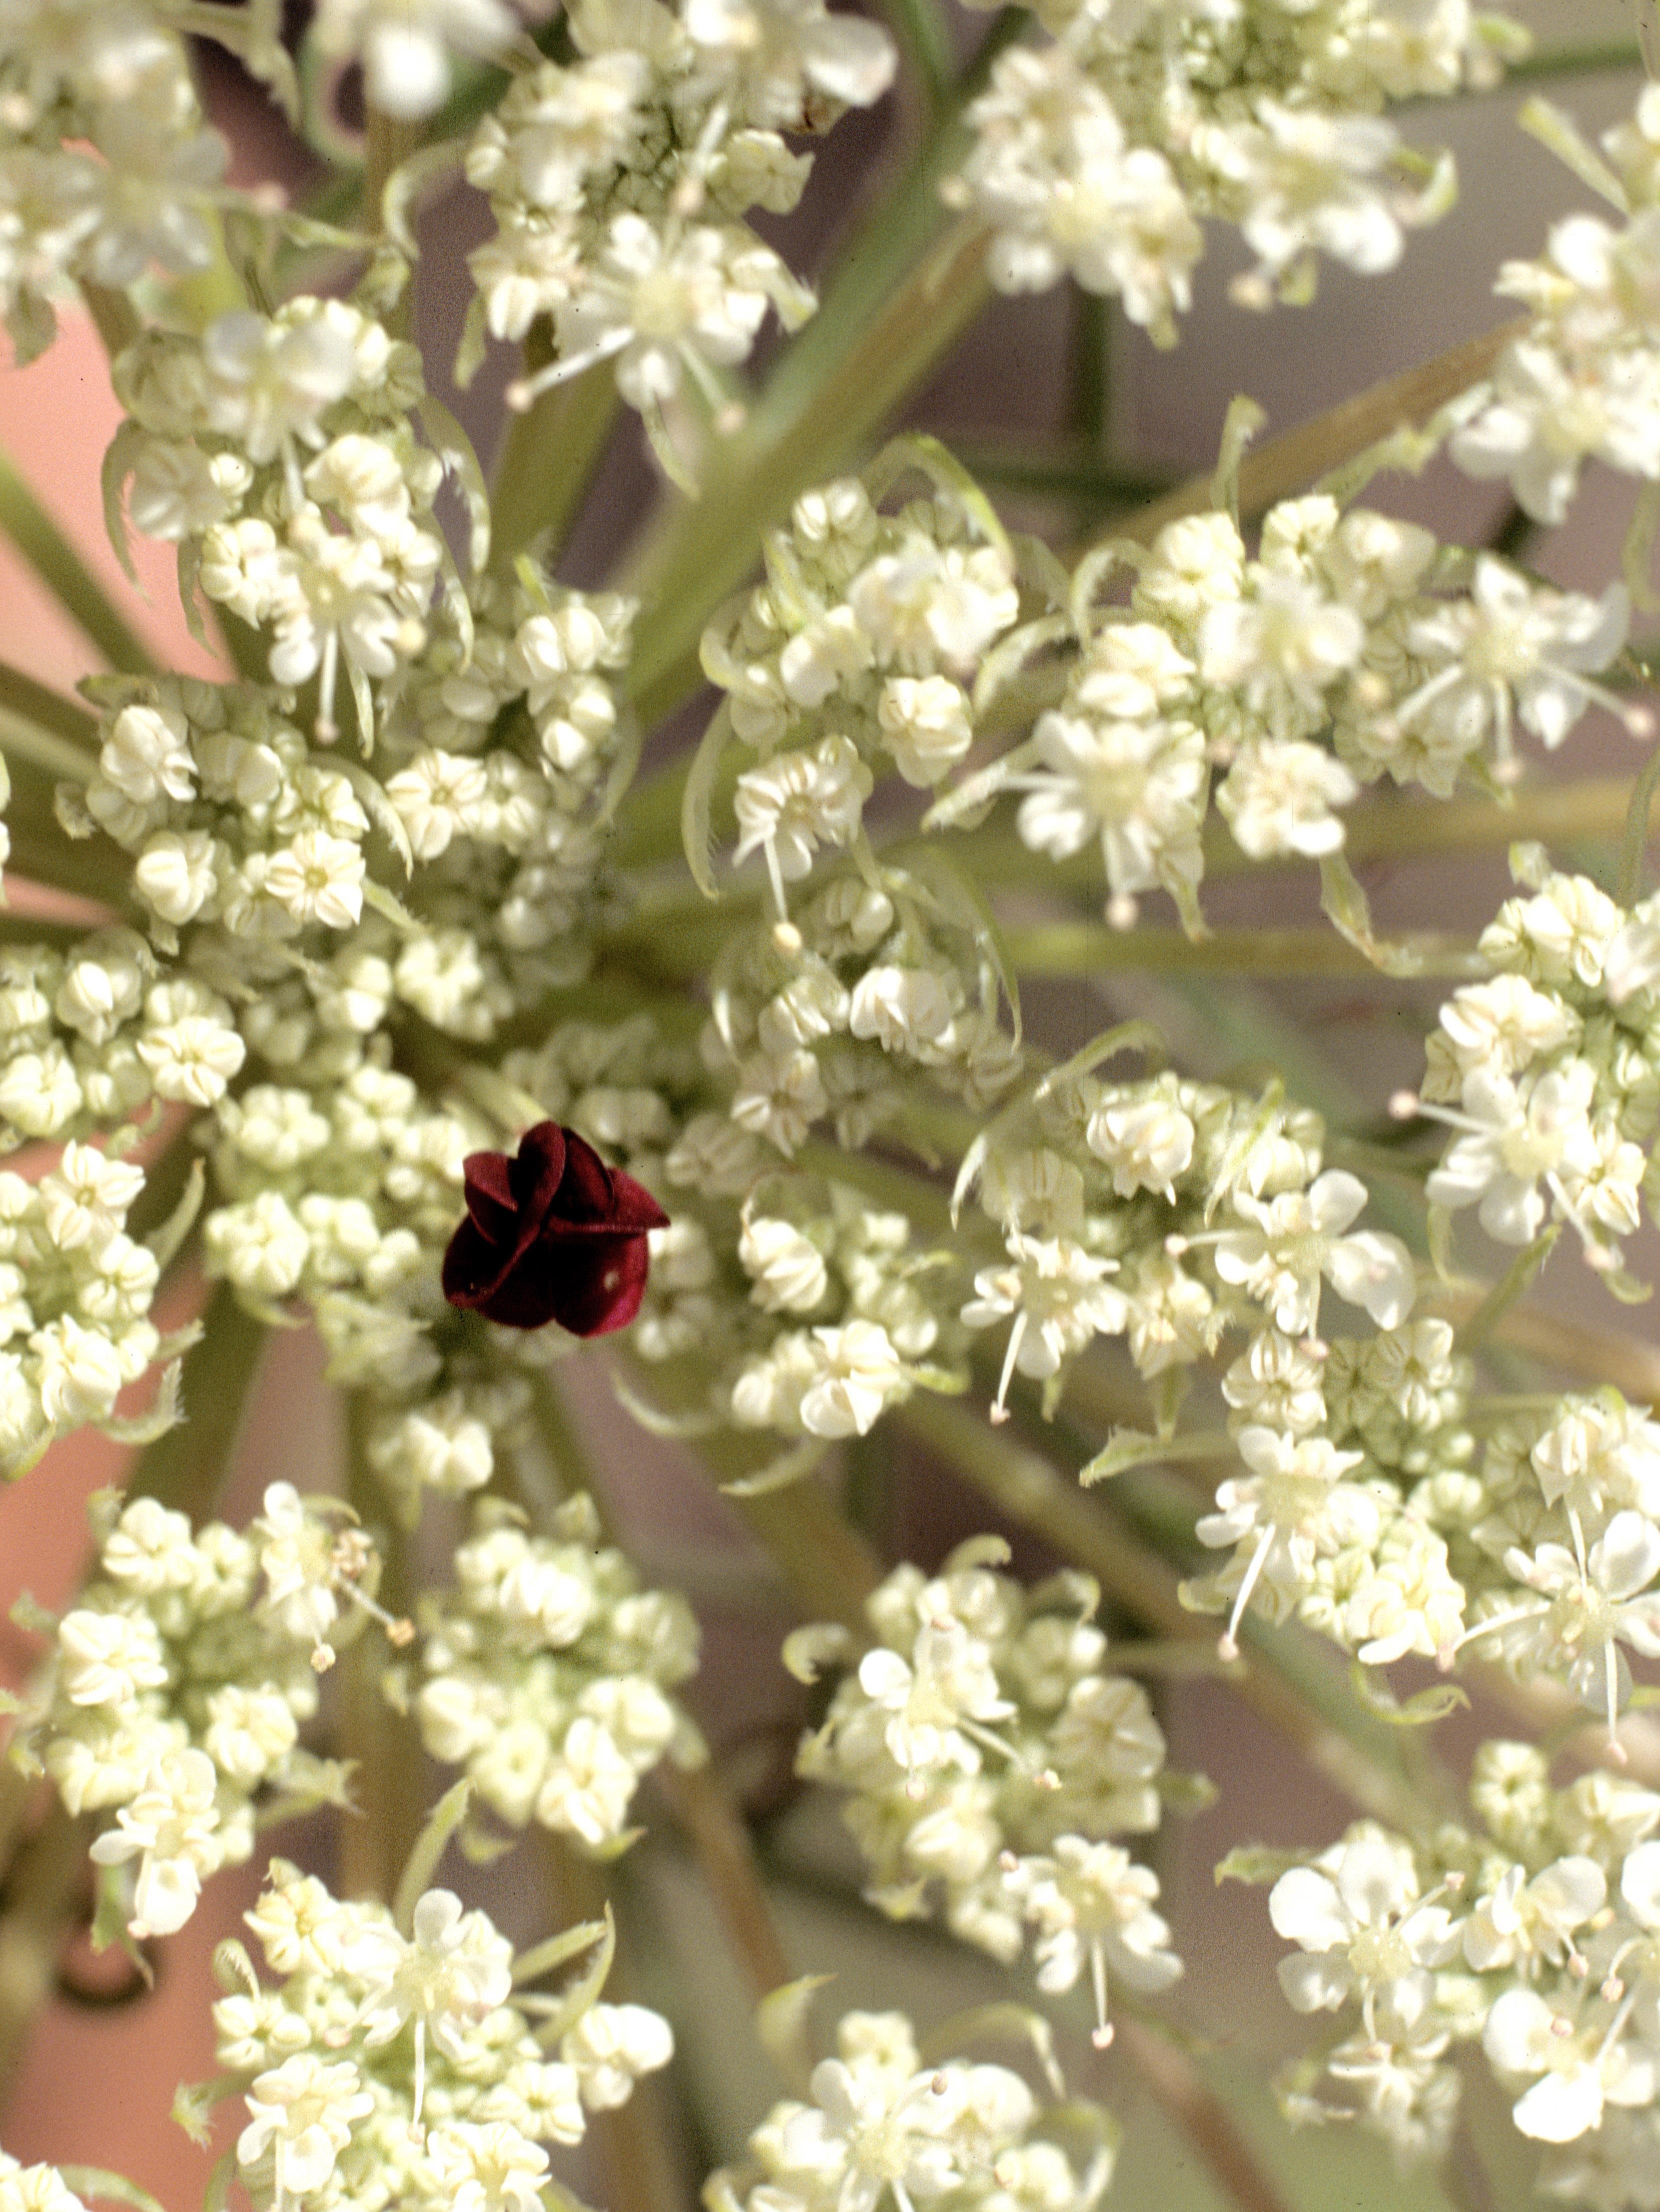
(1561, 2107)
(1305, 1908)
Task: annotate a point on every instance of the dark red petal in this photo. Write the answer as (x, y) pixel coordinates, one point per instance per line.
(527, 1296)
(473, 1266)
(601, 1283)
(537, 1170)
(633, 1205)
(486, 1178)
(585, 1194)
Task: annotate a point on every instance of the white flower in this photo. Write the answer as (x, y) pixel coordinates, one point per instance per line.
(1298, 1238)
(269, 382)
(319, 879)
(1060, 1298)
(109, 1658)
(1581, 2065)
(487, 2168)
(903, 1009)
(1587, 1608)
(611, 2047)
(937, 1703)
(169, 1826)
(1291, 1508)
(1092, 1905)
(772, 56)
(147, 756)
(403, 48)
(453, 1971)
(786, 1268)
(925, 722)
(1514, 649)
(798, 802)
(1141, 784)
(1528, 1922)
(1364, 1931)
(1510, 1135)
(301, 2113)
(1278, 798)
(588, 1790)
(856, 1375)
(1145, 1141)
(663, 303)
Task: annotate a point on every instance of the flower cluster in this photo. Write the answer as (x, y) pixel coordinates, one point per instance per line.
(182, 1677)
(276, 452)
(74, 1289)
(1351, 647)
(1164, 1211)
(755, 1250)
(108, 169)
(619, 180)
(403, 2062)
(1582, 382)
(1545, 1074)
(545, 1671)
(959, 2135)
(1532, 1935)
(986, 1751)
(857, 655)
(34, 2188)
(1099, 154)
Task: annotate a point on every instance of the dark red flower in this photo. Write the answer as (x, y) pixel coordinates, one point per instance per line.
(552, 1234)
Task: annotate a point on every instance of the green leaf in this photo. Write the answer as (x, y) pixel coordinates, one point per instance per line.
(1515, 1283)
(807, 1651)
(165, 1240)
(65, 574)
(120, 457)
(697, 803)
(1002, 2023)
(1435, 1703)
(780, 2022)
(554, 1951)
(1258, 1864)
(455, 449)
(793, 1464)
(445, 1818)
(573, 2002)
(96, 2181)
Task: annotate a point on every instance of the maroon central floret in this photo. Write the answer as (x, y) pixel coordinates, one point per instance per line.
(552, 1234)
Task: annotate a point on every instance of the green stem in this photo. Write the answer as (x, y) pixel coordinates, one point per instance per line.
(814, 430)
(1293, 1690)
(720, 1837)
(1634, 843)
(65, 575)
(1083, 948)
(32, 702)
(113, 315)
(42, 1888)
(1187, 2097)
(376, 1837)
(547, 460)
(185, 1468)
(1297, 457)
(1576, 61)
(637, 2172)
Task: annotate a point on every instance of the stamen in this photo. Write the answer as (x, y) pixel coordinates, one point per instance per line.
(1102, 2034)
(327, 727)
(522, 394)
(999, 1412)
(1227, 1649)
